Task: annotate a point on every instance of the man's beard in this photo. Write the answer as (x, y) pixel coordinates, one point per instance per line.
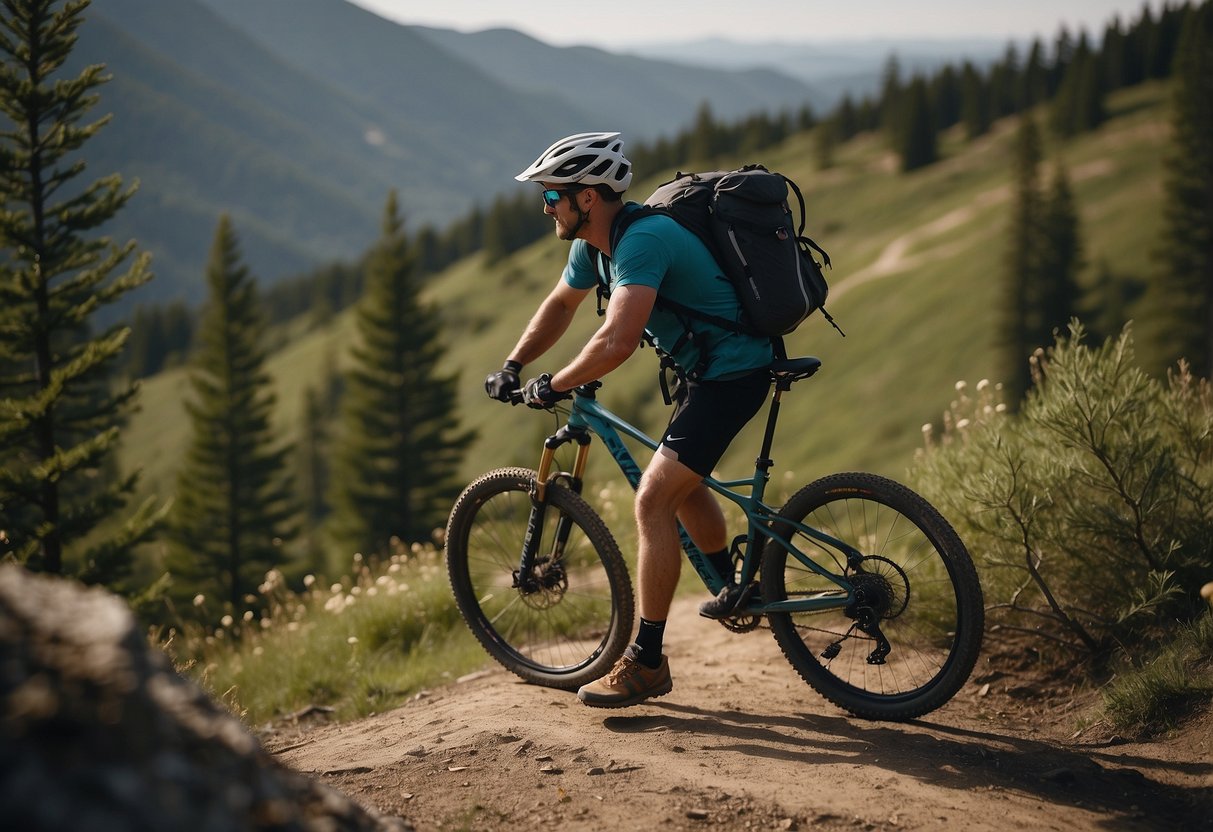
(567, 233)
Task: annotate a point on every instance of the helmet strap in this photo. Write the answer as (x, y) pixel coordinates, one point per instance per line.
(582, 216)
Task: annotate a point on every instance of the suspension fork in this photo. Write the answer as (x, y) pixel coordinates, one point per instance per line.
(525, 577)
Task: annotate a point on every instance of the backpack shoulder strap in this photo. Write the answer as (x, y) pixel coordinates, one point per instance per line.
(623, 220)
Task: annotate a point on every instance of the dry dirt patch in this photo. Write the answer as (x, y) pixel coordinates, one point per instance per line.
(743, 743)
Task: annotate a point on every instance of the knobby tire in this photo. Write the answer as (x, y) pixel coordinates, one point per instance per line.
(572, 628)
(928, 598)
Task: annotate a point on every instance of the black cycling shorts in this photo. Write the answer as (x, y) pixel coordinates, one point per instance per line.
(709, 416)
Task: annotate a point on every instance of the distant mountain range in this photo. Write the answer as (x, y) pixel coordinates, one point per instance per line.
(832, 68)
(297, 116)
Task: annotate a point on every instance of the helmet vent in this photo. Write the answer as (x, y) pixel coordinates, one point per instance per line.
(575, 165)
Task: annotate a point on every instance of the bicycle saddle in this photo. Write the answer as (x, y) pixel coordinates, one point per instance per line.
(794, 369)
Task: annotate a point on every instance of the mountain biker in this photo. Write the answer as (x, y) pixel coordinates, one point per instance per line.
(583, 178)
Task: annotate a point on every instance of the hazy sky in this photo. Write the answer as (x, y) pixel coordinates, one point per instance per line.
(618, 23)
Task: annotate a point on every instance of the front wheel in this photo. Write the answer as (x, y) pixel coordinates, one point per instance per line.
(909, 639)
(567, 621)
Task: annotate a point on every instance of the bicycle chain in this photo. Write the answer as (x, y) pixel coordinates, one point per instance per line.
(733, 625)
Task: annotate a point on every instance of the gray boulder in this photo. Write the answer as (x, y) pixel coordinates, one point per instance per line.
(99, 733)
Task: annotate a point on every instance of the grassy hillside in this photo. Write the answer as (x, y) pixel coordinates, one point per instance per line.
(917, 265)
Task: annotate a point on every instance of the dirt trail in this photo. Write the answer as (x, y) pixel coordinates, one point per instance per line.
(743, 743)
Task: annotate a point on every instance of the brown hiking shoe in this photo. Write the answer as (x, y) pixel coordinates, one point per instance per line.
(628, 683)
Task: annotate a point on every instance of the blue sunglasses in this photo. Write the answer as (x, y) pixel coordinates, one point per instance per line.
(553, 196)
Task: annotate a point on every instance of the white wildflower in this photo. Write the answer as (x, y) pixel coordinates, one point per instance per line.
(308, 580)
(199, 600)
(226, 621)
(983, 384)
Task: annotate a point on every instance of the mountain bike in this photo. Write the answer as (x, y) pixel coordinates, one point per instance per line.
(867, 589)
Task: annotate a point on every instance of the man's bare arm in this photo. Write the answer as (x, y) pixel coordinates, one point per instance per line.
(615, 340)
(549, 322)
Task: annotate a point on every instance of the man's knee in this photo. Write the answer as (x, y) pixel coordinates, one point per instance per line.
(655, 498)
(664, 487)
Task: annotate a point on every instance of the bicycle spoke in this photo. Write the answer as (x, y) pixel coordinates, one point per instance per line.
(914, 586)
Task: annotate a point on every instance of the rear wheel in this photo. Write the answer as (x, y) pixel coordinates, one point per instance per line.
(909, 639)
(565, 623)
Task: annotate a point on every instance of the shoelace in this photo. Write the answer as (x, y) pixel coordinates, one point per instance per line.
(627, 667)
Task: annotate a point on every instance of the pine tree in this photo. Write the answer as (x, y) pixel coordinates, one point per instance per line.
(313, 461)
(1078, 106)
(945, 98)
(399, 446)
(891, 101)
(1033, 82)
(825, 139)
(1180, 297)
(233, 509)
(1042, 291)
(1060, 261)
(60, 410)
(974, 106)
(917, 144)
(1114, 56)
(846, 119)
(1016, 327)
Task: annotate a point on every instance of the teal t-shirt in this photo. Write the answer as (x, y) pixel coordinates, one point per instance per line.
(656, 251)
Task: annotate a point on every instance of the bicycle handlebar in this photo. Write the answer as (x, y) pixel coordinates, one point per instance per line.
(586, 389)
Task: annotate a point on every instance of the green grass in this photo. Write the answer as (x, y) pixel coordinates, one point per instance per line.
(359, 646)
(1156, 695)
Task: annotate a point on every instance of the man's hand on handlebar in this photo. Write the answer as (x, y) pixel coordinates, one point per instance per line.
(538, 392)
(504, 384)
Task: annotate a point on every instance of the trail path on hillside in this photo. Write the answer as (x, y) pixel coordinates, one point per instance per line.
(742, 743)
(898, 254)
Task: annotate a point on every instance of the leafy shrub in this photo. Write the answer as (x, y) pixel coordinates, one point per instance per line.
(1089, 511)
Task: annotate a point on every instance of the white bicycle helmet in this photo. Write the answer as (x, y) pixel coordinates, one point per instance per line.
(583, 159)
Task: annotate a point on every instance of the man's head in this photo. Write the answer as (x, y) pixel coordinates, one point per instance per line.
(571, 167)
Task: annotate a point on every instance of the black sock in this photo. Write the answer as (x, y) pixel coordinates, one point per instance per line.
(648, 639)
(722, 563)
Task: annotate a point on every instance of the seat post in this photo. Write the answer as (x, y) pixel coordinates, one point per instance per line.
(764, 461)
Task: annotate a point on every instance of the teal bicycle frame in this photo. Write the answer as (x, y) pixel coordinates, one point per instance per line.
(587, 416)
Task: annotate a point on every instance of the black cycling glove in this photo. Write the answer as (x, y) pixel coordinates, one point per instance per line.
(503, 383)
(538, 392)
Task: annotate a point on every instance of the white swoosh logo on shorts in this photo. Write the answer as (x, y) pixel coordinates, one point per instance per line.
(674, 438)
